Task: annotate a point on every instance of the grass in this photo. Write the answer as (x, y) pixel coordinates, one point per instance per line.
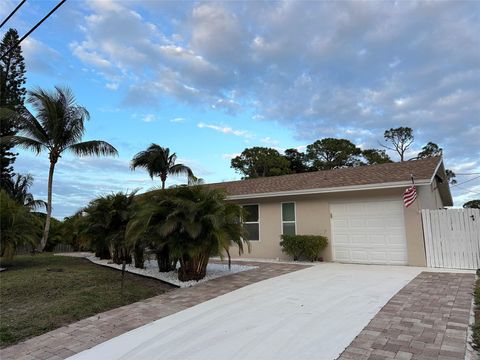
(476, 327)
(44, 292)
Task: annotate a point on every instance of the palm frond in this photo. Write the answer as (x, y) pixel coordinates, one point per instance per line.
(180, 169)
(23, 142)
(31, 127)
(93, 147)
(35, 204)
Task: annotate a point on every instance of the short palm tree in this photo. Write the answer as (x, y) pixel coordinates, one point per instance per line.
(57, 128)
(18, 226)
(18, 189)
(194, 222)
(158, 161)
(106, 220)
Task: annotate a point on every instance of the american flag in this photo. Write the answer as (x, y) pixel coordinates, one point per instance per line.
(409, 196)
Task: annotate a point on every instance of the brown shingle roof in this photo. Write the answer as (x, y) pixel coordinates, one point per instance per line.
(362, 175)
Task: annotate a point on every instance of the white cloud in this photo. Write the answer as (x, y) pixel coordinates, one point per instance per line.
(149, 117)
(269, 141)
(112, 86)
(224, 129)
(177, 120)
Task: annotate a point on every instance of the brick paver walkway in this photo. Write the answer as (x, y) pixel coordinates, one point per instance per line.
(68, 340)
(428, 319)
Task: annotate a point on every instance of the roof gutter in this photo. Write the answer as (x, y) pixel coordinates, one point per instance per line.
(390, 185)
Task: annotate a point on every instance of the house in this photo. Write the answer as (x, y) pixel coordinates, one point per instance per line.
(360, 210)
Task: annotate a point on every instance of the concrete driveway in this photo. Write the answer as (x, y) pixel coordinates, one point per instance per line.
(311, 313)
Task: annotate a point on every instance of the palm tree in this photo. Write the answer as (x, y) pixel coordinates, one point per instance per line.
(18, 189)
(158, 162)
(18, 226)
(194, 223)
(57, 128)
(106, 220)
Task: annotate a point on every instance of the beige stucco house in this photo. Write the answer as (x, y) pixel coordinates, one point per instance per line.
(360, 210)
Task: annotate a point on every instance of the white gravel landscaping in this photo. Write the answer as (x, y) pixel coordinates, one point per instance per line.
(151, 270)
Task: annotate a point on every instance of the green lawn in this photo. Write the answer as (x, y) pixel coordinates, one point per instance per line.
(43, 292)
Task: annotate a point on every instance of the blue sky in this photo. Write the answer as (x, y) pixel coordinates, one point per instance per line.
(208, 79)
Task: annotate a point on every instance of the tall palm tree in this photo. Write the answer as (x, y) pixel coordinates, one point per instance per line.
(158, 161)
(57, 128)
(18, 189)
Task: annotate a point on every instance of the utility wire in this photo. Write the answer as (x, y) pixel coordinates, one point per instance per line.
(463, 182)
(469, 190)
(33, 29)
(13, 12)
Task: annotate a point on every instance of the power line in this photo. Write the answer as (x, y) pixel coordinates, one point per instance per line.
(11, 14)
(469, 190)
(33, 29)
(463, 182)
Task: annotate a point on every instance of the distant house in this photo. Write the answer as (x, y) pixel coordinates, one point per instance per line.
(359, 209)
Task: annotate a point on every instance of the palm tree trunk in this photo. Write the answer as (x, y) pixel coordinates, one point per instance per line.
(43, 242)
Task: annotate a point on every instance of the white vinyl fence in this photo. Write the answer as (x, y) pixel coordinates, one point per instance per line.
(452, 238)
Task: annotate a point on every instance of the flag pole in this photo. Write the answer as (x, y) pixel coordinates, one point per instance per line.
(418, 195)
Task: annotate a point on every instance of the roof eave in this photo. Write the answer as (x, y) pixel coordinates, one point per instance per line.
(378, 186)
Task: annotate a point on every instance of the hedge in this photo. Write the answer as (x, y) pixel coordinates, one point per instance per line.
(303, 247)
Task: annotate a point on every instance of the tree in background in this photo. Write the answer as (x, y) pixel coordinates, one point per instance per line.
(260, 162)
(106, 219)
(58, 127)
(18, 226)
(19, 189)
(298, 161)
(376, 156)
(12, 97)
(158, 161)
(399, 140)
(472, 204)
(430, 150)
(330, 153)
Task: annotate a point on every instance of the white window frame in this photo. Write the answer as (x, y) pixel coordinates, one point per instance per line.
(254, 222)
(288, 222)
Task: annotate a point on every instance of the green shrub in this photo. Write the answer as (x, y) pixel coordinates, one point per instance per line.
(302, 247)
(18, 226)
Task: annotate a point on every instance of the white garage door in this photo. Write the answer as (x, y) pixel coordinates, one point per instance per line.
(369, 232)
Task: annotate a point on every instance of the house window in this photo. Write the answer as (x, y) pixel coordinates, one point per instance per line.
(288, 219)
(251, 222)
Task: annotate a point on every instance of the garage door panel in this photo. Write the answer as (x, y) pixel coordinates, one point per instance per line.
(396, 240)
(358, 239)
(357, 223)
(342, 240)
(342, 254)
(376, 222)
(369, 232)
(394, 223)
(354, 209)
(377, 256)
(378, 240)
(359, 255)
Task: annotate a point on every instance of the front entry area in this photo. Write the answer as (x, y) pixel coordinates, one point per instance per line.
(369, 232)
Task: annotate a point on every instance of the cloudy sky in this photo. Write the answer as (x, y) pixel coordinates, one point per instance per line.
(208, 79)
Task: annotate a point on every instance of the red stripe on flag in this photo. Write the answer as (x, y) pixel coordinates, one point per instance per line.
(409, 196)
